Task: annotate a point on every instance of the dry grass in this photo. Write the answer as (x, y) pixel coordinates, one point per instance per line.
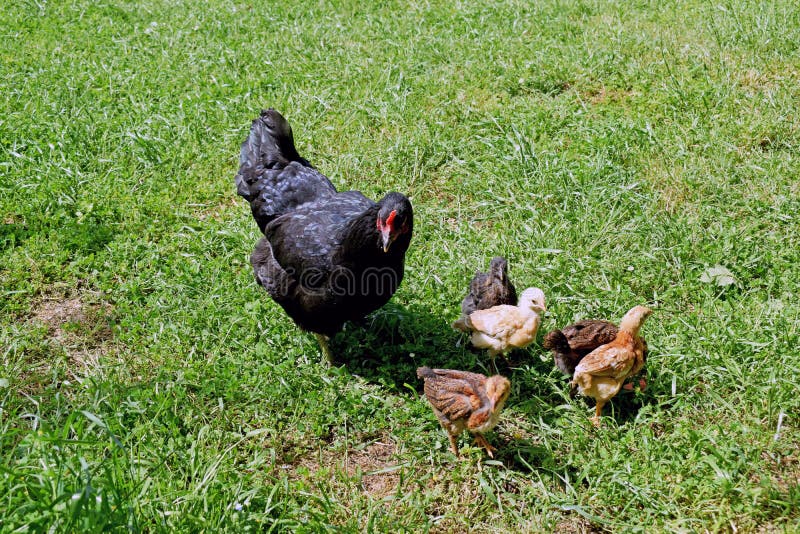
(373, 466)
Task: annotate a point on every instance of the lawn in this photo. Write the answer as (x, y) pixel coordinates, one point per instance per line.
(617, 153)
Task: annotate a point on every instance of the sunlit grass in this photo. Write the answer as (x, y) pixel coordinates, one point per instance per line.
(612, 151)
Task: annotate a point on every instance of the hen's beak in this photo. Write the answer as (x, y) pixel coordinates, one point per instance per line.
(387, 238)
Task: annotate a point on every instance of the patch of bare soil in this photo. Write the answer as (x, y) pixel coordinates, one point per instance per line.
(373, 464)
(56, 313)
(674, 195)
(604, 95)
(783, 471)
(370, 461)
(576, 525)
(767, 80)
(80, 323)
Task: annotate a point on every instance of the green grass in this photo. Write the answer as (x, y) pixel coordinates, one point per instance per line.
(613, 151)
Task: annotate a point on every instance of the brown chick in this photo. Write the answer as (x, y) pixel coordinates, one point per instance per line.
(463, 400)
(601, 373)
(502, 328)
(488, 289)
(575, 341)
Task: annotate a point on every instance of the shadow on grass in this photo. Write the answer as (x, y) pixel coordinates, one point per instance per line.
(389, 345)
(82, 235)
(626, 405)
(526, 456)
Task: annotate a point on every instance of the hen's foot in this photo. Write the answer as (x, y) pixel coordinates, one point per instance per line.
(325, 347)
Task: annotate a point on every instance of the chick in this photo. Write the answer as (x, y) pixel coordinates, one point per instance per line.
(487, 289)
(575, 341)
(463, 400)
(502, 328)
(601, 373)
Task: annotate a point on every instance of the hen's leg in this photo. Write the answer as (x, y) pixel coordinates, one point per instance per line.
(485, 444)
(453, 444)
(326, 350)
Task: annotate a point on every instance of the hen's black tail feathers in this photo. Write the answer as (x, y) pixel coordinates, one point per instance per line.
(270, 145)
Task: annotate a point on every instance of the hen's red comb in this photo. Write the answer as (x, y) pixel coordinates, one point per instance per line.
(390, 218)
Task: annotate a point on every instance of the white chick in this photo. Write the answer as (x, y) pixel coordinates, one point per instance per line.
(503, 328)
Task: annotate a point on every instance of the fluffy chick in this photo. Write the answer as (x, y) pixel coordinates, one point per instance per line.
(601, 373)
(502, 328)
(575, 341)
(488, 289)
(465, 401)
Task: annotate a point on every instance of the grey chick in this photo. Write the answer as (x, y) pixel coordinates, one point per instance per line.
(486, 290)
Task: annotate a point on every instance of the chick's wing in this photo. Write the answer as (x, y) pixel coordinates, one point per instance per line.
(585, 336)
(614, 361)
(456, 399)
(499, 321)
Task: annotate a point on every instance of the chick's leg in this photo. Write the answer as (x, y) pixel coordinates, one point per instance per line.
(598, 411)
(326, 350)
(453, 444)
(485, 444)
(493, 356)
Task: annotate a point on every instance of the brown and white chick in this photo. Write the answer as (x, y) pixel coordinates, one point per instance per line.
(602, 372)
(488, 289)
(465, 401)
(503, 328)
(572, 343)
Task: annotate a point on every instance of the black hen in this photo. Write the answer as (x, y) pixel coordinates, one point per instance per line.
(326, 257)
(486, 290)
